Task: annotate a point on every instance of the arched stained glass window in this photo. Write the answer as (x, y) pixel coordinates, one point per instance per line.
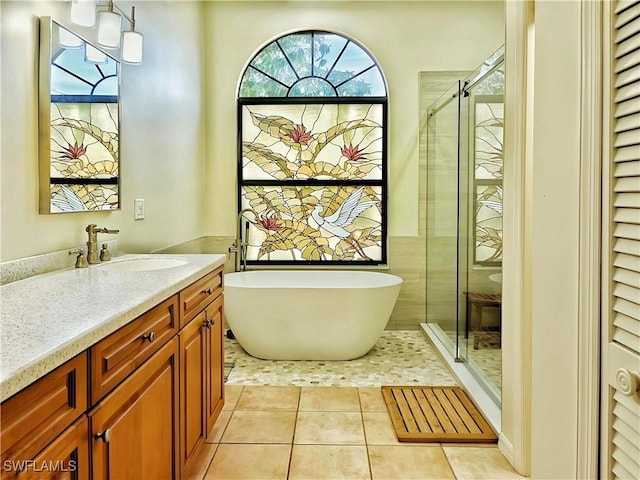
(312, 113)
(312, 64)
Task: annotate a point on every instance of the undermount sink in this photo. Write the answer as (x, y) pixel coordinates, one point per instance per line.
(142, 264)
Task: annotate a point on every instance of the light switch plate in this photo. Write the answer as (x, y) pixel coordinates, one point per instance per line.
(138, 209)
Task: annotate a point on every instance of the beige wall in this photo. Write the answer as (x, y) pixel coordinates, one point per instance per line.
(162, 149)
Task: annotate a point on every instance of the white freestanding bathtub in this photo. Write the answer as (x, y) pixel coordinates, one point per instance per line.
(309, 315)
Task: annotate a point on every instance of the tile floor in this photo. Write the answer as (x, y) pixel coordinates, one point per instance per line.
(400, 357)
(313, 433)
(327, 420)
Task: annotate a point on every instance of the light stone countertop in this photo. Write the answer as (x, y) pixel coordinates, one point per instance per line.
(48, 319)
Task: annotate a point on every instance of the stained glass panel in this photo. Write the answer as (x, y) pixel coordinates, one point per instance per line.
(298, 49)
(328, 48)
(488, 223)
(488, 174)
(369, 82)
(352, 61)
(489, 132)
(256, 84)
(84, 146)
(77, 198)
(319, 141)
(315, 223)
(272, 61)
(72, 75)
(312, 87)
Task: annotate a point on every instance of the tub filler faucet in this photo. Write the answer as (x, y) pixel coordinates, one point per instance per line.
(92, 243)
(239, 247)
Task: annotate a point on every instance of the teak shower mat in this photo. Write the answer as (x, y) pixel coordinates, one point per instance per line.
(436, 414)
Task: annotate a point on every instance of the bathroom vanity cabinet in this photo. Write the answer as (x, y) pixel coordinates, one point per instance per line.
(139, 403)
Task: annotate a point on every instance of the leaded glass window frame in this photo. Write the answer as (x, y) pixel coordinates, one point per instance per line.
(321, 199)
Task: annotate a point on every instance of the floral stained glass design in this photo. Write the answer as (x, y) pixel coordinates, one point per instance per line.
(337, 147)
(319, 141)
(312, 151)
(84, 156)
(314, 224)
(489, 126)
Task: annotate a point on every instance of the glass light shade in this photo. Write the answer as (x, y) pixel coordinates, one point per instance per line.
(93, 55)
(109, 24)
(131, 47)
(67, 39)
(83, 12)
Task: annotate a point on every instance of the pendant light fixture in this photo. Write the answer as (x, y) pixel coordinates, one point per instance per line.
(83, 12)
(132, 43)
(94, 55)
(66, 39)
(109, 25)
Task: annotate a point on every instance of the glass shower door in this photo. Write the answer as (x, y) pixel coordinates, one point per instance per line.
(443, 227)
(483, 106)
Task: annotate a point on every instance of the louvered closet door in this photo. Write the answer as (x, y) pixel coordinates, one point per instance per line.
(623, 350)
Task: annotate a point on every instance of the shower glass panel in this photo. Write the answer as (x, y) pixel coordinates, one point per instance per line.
(464, 221)
(442, 217)
(483, 100)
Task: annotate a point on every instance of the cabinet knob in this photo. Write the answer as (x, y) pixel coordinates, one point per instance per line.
(149, 336)
(104, 436)
(208, 291)
(628, 382)
(207, 324)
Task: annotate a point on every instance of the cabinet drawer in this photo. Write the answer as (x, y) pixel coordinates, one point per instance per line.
(199, 294)
(32, 418)
(118, 355)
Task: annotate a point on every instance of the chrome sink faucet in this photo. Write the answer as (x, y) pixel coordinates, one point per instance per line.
(92, 243)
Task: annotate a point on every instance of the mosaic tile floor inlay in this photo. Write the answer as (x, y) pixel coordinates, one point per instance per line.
(400, 357)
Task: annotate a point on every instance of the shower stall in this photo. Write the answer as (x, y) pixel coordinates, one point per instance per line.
(464, 165)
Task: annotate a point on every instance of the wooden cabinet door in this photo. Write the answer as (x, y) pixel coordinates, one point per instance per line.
(193, 344)
(67, 457)
(215, 363)
(34, 417)
(134, 429)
